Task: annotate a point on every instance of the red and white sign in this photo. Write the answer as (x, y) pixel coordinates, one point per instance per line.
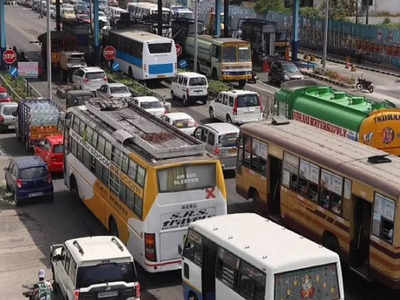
(28, 69)
(178, 49)
(321, 124)
(9, 56)
(109, 52)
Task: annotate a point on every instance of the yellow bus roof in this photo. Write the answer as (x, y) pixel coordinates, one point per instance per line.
(332, 151)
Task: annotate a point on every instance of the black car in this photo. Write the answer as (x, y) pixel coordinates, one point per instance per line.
(282, 71)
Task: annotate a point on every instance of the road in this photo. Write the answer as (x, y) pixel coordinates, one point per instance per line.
(28, 231)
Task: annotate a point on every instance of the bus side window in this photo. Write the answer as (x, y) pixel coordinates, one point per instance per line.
(193, 249)
(290, 171)
(251, 282)
(227, 268)
(308, 180)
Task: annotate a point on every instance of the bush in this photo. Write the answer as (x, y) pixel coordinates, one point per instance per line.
(137, 88)
(214, 87)
(17, 84)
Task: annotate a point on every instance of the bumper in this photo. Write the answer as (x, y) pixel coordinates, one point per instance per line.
(236, 77)
(163, 266)
(56, 167)
(198, 98)
(228, 163)
(34, 193)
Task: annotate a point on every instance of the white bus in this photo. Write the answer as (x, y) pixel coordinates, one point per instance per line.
(142, 178)
(143, 55)
(245, 256)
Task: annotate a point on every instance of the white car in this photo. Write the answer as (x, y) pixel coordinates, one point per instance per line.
(182, 121)
(114, 90)
(8, 115)
(89, 78)
(236, 106)
(190, 87)
(150, 104)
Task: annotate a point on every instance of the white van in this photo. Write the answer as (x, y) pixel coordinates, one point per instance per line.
(190, 87)
(236, 106)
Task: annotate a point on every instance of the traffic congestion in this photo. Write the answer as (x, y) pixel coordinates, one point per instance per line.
(152, 169)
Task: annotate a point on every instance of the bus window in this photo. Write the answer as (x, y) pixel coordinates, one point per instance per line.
(193, 249)
(159, 48)
(227, 268)
(251, 282)
(383, 219)
(229, 54)
(308, 180)
(331, 192)
(290, 171)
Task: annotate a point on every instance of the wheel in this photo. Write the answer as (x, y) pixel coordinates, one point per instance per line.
(228, 119)
(214, 74)
(242, 83)
(358, 86)
(130, 74)
(74, 189)
(113, 228)
(192, 296)
(371, 89)
(211, 113)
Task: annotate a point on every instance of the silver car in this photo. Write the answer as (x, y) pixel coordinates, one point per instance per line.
(8, 115)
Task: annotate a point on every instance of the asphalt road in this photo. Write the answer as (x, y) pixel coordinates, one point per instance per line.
(27, 232)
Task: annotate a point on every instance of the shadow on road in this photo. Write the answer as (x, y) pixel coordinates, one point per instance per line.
(10, 146)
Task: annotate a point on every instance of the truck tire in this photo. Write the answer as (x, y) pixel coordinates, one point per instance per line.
(113, 228)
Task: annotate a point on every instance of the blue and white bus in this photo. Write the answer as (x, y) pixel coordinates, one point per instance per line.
(143, 55)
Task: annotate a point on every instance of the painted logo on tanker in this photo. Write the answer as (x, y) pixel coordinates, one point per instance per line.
(321, 124)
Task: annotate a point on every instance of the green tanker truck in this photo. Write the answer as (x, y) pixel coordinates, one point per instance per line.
(354, 117)
(225, 59)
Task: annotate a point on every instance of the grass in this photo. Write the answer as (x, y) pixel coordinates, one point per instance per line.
(215, 86)
(137, 88)
(18, 84)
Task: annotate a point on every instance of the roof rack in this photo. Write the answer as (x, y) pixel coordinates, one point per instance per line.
(132, 124)
(379, 159)
(279, 120)
(76, 244)
(116, 242)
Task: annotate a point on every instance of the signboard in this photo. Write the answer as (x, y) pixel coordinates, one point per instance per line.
(109, 52)
(9, 56)
(178, 49)
(28, 69)
(115, 67)
(13, 72)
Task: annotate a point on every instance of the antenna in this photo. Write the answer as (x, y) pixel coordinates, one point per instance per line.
(76, 244)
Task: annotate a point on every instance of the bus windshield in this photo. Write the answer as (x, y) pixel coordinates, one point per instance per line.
(160, 48)
(313, 283)
(229, 54)
(186, 177)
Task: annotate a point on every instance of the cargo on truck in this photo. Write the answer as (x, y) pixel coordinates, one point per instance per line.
(36, 120)
(225, 59)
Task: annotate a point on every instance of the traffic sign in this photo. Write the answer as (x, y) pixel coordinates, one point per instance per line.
(109, 52)
(115, 67)
(178, 49)
(9, 56)
(13, 72)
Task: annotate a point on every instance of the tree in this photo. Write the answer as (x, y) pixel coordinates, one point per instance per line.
(264, 6)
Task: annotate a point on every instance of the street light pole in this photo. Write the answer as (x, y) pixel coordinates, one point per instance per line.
(326, 35)
(196, 19)
(49, 51)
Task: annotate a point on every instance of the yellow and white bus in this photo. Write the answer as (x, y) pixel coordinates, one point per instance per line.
(145, 180)
(336, 191)
(245, 256)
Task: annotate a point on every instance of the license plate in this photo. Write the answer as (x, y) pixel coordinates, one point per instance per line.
(36, 194)
(251, 109)
(107, 294)
(232, 150)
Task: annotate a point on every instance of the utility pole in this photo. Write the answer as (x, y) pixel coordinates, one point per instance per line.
(326, 35)
(49, 52)
(366, 16)
(356, 11)
(196, 19)
(3, 32)
(226, 18)
(160, 20)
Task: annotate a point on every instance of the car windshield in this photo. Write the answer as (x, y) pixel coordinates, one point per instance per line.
(32, 173)
(244, 54)
(158, 48)
(291, 68)
(150, 104)
(58, 148)
(8, 110)
(184, 123)
(119, 90)
(198, 81)
(107, 272)
(228, 140)
(3, 95)
(95, 75)
(247, 100)
(229, 54)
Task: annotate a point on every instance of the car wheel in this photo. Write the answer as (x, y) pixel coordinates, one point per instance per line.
(228, 119)
(16, 201)
(211, 113)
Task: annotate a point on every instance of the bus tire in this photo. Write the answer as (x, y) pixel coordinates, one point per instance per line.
(330, 241)
(130, 74)
(112, 227)
(214, 74)
(185, 101)
(192, 296)
(242, 83)
(73, 187)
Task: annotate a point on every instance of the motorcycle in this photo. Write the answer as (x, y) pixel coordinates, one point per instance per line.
(32, 293)
(364, 84)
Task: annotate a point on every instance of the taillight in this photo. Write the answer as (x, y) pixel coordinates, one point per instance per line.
(49, 178)
(137, 290)
(260, 103)
(76, 295)
(150, 246)
(19, 183)
(85, 80)
(217, 150)
(1, 119)
(235, 105)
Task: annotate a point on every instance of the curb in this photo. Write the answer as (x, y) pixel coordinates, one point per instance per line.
(339, 61)
(335, 82)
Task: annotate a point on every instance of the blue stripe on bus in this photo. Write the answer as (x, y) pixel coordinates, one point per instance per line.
(130, 59)
(161, 69)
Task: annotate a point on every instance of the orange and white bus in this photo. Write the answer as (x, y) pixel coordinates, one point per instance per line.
(145, 180)
(334, 190)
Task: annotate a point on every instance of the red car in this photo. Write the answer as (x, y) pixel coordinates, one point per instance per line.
(51, 150)
(4, 96)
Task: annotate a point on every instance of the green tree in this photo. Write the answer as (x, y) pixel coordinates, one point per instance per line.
(310, 12)
(264, 6)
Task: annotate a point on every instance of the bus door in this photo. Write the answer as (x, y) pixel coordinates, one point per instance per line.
(359, 251)
(208, 270)
(274, 191)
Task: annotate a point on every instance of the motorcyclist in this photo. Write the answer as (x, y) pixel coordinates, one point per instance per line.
(43, 288)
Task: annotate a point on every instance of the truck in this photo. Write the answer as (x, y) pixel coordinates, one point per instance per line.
(369, 122)
(70, 61)
(36, 120)
(226, 59)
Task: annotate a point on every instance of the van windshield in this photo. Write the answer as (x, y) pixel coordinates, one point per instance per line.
(228, 140)
(32, 173)
(198, 81)
(107, 272)
(247, 100)
(95, 75)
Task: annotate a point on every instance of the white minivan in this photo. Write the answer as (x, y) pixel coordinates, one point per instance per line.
(89, 78)
(236, 106)
(190, 87)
